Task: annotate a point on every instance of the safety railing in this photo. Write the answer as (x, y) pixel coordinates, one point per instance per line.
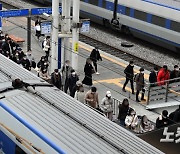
(169, 91)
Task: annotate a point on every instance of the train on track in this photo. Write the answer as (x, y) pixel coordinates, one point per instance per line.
(156, 21)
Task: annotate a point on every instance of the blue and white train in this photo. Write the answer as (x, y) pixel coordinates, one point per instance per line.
(156, 21)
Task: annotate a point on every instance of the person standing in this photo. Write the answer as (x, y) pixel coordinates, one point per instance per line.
(72, 79)
(31, 59)
(123, 111)
(163, 76)
(175, 74)
(8, 47)
(95, 56)
(129, 71)
(56, 79)
(89, 70)
(153, 77)
(106, 105)
(38, 30)
(25, 63)
(66, 71)
(80, 94)
(139, 79)
(92, 98)
(46, 46)
(162, 120)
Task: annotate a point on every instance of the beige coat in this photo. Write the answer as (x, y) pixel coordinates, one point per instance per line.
(92, 99)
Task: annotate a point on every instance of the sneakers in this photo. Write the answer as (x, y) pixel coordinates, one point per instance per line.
(97, 73)
(138, 100)
(143, 99)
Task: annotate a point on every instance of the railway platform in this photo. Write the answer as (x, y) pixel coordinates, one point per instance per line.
(111, 68)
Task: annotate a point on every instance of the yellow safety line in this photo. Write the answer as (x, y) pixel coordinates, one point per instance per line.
(174, 92)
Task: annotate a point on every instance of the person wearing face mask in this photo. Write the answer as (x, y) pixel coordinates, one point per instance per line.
(44, 75)
(153, 77)
(163, 76)
(129, 71)
(162, 120)
(139, 79)
(66, 71)
(30, 57)
(175, 74)
(72, 79)
(145, 125)
(56, 79)
(25, 63)
(106, 105)
(131, 120)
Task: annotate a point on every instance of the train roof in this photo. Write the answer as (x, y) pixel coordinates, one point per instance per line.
(71, 125)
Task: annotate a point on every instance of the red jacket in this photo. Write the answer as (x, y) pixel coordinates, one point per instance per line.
(162, 76)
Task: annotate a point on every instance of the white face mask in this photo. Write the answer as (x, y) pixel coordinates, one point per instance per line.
(73, 73)
(176, 69)
(142, 72)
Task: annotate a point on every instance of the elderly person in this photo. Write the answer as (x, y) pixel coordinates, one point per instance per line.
(106, 105)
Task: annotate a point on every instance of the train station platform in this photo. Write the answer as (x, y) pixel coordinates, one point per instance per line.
(111, 69)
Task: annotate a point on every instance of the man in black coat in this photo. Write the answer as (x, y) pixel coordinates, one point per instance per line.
(129, 71)
(175, 74)
(95, 56)
(56, 79)
(153, 77)
(25, 63)
(7, 47)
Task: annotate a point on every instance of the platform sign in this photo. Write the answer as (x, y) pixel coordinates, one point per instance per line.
(46, 27)
(40, 11)
(14, 13)
(85, 27)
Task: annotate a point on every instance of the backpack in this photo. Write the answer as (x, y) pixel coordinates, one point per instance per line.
(136, 77)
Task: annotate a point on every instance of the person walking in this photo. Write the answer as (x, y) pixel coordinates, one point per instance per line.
(95, 56)
(106, 105)
(56, 79)
(129, 71)
(46, 46)
(123, 111)
(163, 76)
(175, 74)
(139, 79)
(66, 71)
(92, 98)
(38, 30)
(89, 70)
(153, 77)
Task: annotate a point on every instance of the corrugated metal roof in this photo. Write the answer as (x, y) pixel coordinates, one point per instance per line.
(70, 124)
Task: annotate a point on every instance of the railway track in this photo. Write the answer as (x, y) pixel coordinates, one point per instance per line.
(122, 54)
(117, 52)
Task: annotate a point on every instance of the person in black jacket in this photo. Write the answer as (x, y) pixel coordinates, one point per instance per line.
(8, 47)
(123, 111)
(25, 63)
(56, 79)
(129, 71)
(153, 77)
(175, 74)
(95, 56)
(88, 70)
(163, 120)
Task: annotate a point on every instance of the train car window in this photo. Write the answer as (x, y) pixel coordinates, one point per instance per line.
(140, 15)
(175, 26)
(93, 2)
(158, 21)
(104, 4)
(127, 11)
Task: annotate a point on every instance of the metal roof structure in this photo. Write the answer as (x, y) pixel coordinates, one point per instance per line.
(71, 125)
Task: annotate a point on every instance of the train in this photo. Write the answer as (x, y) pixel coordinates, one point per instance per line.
(155, 21)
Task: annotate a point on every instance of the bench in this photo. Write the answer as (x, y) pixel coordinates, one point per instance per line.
(16, 39)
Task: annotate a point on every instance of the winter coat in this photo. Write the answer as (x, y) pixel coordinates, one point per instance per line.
(25, 63)
(56, 80)
(92, 99)
(162, 122)
(139, 81)
(162, 76)
(153, 77)
(95, 55)
(66, 71)
(88, 74)
(72, 82)
(131, 120)
(174, 74)
(129, 71)
(80, 96)
(8, 47)
(123, 111)
(106, 104)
